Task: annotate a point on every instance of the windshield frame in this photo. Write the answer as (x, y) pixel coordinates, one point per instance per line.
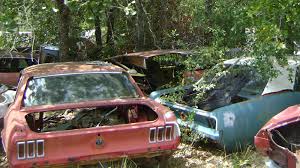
(130, 80)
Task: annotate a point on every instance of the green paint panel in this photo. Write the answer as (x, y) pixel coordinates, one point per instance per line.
(236, 124)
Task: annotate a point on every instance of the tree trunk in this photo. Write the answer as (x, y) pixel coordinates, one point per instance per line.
(63, 29)
(98, 33)
(110, 27)
(209, 13)
(140, 26)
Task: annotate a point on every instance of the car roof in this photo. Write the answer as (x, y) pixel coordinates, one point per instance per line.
(148, 54)
(70, 67)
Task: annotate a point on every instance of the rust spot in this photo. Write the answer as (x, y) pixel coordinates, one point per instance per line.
(34, 165)
(182, 116)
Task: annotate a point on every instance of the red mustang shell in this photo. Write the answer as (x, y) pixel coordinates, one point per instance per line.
(85, 145)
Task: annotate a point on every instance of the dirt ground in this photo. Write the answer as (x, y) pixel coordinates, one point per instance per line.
(197, 156)
(210, 157)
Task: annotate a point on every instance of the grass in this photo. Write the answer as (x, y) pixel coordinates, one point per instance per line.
(199, 155)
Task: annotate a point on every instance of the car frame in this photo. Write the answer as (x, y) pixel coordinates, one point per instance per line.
(151, 74)
(27, 146)
(232, 127)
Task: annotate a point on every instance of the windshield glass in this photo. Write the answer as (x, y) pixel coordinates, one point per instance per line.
(71, 88)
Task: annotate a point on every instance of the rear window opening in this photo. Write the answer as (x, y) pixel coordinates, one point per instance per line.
(288, 136)
(70, 119)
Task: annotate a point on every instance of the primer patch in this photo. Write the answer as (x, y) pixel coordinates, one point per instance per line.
(229, 119)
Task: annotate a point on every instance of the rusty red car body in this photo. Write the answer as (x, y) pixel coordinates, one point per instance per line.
(279, 138)
(27, 146)
(154, 73)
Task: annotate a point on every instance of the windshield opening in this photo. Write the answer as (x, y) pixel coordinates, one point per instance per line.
(224, 85)
(72, 88)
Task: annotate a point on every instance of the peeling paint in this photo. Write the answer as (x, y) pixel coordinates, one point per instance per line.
(229, 119)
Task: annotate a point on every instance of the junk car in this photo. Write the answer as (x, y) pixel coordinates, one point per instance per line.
(280, 139)
(156, 68)
(78, 113)
(232, 106)
(11, 64)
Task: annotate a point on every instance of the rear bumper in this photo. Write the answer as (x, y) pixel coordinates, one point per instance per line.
(86, 160)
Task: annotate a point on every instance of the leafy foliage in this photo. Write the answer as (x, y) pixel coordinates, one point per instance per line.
(263, 29)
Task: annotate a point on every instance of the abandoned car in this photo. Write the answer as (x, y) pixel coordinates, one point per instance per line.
(156, 68)
(280, 139)
(77, 113)
(11, 64)
(231, 102)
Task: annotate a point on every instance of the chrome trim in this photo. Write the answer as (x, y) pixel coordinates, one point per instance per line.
(18, 150)
(80, 73)
(168, 127)
(152, 129)
(162, 138)
(33, 150)
(37, 148)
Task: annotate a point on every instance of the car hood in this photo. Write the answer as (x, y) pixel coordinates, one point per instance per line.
(287, 116)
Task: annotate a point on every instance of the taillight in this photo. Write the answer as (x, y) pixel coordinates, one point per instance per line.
(152, 138)
(160, 134)
(30, 149)
(167, 133)
(21, 150)
(40, 148)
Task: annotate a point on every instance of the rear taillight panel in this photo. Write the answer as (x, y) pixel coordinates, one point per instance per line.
(30, 149)
(164, 133)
